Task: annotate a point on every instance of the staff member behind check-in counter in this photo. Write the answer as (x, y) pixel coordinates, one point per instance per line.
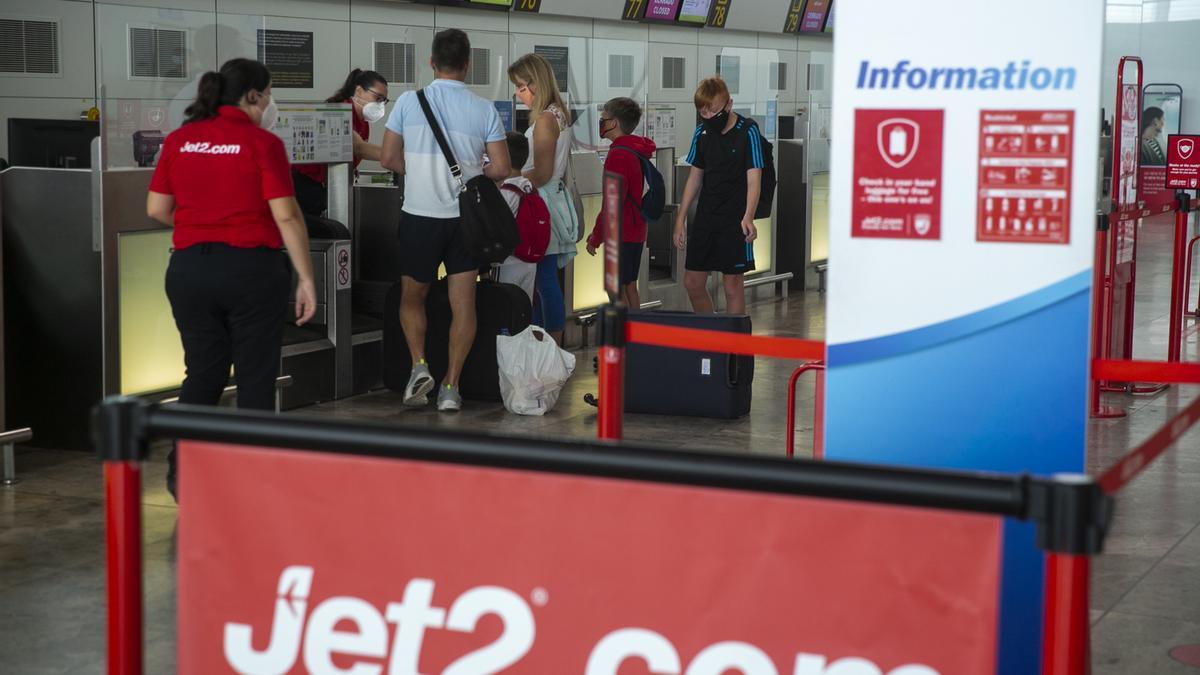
(224, 183)
(367, 92)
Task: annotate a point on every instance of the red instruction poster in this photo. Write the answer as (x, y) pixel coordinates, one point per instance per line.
(897, 191)
(1183, 161)
(1025, 176)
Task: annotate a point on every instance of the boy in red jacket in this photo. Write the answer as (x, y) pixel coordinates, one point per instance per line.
(618, 119)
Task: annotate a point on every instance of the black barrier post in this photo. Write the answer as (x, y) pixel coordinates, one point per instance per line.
(1072, 515)
(119, 431)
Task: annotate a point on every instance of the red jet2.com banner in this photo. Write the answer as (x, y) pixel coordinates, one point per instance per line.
(294, 562)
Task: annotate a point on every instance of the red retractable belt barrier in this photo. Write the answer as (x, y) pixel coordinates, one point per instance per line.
(719, 341)
(644, 557)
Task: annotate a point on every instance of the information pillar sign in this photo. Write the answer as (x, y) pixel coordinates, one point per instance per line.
(961, 235)
(897, 174)
(1183, 162)
(614, 191)
(1024, 176)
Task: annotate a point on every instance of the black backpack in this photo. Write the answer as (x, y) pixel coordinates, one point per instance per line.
(488, 227)
(655, 198)
(766, 194)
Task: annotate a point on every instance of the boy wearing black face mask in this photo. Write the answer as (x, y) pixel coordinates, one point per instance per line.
(727, 161)
(618, 119)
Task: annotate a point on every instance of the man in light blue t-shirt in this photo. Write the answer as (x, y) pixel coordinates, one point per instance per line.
(429, 229)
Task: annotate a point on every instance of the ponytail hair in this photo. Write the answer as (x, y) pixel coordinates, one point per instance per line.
(357, 78)
(227, 87)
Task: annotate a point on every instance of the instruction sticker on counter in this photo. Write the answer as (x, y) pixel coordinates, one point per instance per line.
(1024, 176)
(1183, 161)
(897, 190)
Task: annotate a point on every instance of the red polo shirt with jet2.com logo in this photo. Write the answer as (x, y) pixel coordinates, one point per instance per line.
(222, 171)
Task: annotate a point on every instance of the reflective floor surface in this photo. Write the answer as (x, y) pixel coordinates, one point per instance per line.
(1146, 585)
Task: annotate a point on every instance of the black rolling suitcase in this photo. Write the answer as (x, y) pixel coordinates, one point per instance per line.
(499, 307)
(663, 381)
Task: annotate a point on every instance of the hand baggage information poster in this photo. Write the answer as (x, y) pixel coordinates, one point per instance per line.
(961, 233)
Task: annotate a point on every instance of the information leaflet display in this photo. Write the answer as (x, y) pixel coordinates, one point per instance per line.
(1024, 176)
(1183, 161)
(406, 573)
(316, 134)
(941, 328)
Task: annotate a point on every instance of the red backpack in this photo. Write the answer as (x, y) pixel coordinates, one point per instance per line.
(533, 225)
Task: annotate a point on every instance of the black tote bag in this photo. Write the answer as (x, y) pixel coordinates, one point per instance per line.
(488, 227)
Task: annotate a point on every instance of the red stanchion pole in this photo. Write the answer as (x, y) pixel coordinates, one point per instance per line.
(611, 414)
(1187, 277)
(1101, 320)
(818, 408)
(123, 530)
(1065, 644)
(1178, 263)
(819, 416)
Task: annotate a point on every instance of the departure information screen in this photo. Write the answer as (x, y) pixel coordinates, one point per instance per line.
(662, 10)
(694, 11)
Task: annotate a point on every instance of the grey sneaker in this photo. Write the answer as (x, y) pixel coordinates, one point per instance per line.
(449, 400)
(420, 383)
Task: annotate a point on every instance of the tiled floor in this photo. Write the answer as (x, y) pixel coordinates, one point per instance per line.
(1146, 586)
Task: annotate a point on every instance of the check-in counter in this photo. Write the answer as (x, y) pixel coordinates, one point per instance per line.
(87, 311)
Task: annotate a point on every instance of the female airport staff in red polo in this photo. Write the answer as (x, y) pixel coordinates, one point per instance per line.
(224, 183)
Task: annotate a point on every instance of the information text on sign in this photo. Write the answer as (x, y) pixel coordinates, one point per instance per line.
(897, 191)
(1183, 161)
(1025, 176)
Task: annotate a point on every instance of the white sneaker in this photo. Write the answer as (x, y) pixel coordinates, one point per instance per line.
(420, 383)
(449, 400)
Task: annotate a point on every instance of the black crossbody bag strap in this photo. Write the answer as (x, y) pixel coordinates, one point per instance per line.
(455, 169)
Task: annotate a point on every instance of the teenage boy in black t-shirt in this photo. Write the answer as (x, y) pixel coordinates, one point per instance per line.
(727, 162)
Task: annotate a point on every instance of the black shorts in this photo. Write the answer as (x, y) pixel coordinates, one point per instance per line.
(427, 242)
(719, 250)
(631, 261)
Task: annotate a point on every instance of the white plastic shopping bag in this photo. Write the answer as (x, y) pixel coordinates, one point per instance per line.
(533, 371)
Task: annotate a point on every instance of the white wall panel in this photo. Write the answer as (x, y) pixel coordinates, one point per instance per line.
(728, 38)
(621, 30)
(193, 5)
(763, 74)
(498, 87)
(379, 11)
(331, 50)
(471, 20)
(332, 10)
(658, 50)
(676, 34)
(548, 25)
(578, 59)
(77, 76)
(602, 50)
(112, 54)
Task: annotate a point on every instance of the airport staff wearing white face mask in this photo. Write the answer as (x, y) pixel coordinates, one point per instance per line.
(367, 91)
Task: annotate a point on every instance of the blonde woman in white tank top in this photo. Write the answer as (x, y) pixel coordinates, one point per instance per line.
(549, 150)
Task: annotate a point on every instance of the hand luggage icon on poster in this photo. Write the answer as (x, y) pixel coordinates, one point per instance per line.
(898, 139)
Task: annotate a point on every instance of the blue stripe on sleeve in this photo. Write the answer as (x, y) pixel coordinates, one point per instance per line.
(691, 156)
(756, 158)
